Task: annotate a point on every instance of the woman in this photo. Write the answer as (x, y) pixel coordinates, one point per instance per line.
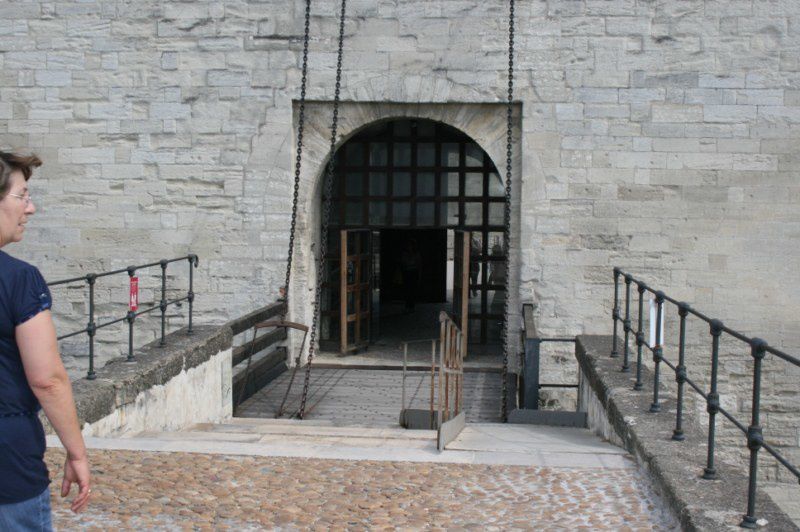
(31, 373)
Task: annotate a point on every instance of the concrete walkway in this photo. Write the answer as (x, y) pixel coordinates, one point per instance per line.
(267, 474)
(482, 443)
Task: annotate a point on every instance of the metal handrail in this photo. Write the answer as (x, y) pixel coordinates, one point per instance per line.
(405, 345)
(758, 350)
(532, 342)
(92, 327)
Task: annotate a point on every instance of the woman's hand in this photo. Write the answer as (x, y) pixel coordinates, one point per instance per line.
(76, 471)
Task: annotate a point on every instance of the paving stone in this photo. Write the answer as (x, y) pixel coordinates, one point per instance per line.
(177, 491)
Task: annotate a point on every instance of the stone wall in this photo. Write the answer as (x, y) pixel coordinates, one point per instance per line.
(656, 136)
(167, 388)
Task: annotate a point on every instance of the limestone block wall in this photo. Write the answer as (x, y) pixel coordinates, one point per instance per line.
(656, 136)
(187, 381)
(176, 404)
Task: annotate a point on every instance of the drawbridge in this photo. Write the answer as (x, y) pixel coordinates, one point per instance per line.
(369, 392)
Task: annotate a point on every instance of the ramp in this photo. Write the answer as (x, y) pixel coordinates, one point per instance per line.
(370, 397)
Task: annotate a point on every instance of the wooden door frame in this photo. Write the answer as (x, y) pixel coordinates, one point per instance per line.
(464, 310)
(357, 288)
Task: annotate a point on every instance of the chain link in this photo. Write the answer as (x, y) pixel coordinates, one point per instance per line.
(326, 214)
(301, 120)
(507, 212)
(297, 163)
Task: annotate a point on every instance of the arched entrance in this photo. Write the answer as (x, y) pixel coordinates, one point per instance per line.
(401, 187)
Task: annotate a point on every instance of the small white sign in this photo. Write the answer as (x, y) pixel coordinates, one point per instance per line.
(653, 317)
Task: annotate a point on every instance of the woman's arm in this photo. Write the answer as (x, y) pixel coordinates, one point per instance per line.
(48, 379)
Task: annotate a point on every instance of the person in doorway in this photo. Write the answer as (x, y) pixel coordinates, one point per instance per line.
(411, 266)
(32, 375)
(497, 273)
(474, 265)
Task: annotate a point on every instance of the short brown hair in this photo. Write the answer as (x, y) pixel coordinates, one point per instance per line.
(12, 162)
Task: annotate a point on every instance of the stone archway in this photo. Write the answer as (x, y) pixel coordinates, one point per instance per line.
(484, 123)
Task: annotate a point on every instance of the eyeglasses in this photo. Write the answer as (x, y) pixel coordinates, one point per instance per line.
(26, 198)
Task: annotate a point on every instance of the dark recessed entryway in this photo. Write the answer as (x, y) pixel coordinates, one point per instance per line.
(404, 188)
(431, 285)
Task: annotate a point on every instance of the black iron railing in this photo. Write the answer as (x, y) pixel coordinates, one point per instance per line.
(532, 343)
(92, 327)
(758, 350)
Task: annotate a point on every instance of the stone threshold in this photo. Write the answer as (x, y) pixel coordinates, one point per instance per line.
(481, 443)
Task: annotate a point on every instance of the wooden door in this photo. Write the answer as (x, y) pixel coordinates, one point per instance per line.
(355, 296)
(375, 288)
(461, 284)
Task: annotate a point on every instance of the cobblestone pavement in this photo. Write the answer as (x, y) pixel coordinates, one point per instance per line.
(146, 490)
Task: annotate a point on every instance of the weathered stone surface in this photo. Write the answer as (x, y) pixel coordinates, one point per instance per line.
(156, 365)
(120, 383)
(622, 415)
(148, 491)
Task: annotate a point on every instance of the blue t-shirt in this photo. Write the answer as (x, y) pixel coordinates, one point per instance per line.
(23, 474)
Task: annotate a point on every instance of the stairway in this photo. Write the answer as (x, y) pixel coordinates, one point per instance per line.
(479, 443)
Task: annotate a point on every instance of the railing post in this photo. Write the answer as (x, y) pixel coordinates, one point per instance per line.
(639, 338)
(131, 316)
(658, 352)
(758, 349)
(405, 366)
(91, 328)
(532, 356)
(626, 324)
(615, 313)
(712, 400)
(680, 373)
(163, 305)
(190, 296)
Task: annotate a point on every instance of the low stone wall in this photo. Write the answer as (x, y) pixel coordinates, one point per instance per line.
(167, 388)
(622, 416)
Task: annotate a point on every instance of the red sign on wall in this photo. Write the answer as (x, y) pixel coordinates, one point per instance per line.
(133, 304)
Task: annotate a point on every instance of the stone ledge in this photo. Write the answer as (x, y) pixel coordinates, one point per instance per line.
(119, 383)
(675, 467)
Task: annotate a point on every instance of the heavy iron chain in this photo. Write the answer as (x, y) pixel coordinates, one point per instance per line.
(301, 120)
(507, 211)
(297, 163)
(326, 214)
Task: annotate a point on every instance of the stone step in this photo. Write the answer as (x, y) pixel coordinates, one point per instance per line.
(265, 427)
(282, 421)
(292, 440)
(478, 444)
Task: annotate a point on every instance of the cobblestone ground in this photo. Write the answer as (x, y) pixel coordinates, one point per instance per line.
(138, 490)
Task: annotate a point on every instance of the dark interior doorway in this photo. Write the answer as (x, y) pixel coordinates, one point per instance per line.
(421, 179)
(431, 245)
